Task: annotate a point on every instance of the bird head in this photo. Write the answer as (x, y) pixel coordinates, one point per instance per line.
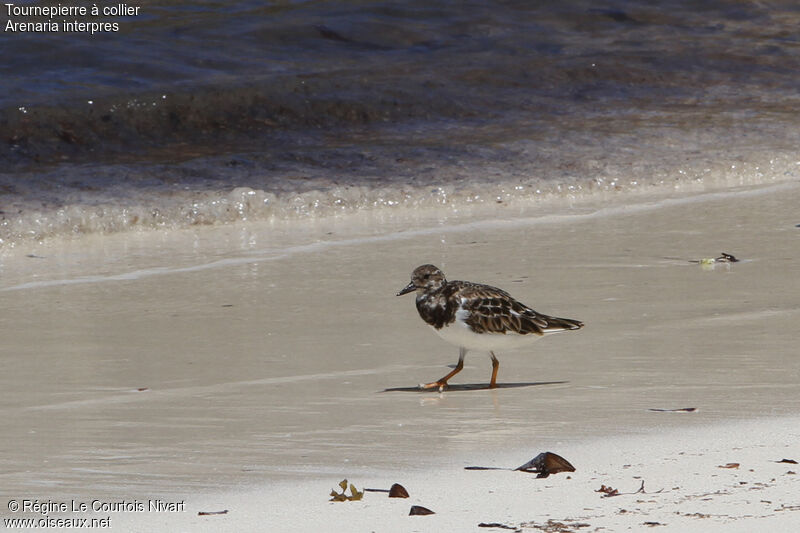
(425, 278)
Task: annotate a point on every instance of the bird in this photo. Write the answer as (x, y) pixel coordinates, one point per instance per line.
(474, 316)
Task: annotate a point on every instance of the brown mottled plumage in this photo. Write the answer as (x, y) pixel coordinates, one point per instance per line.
(476, 316)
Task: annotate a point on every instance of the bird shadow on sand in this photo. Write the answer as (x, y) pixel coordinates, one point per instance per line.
(475, 387)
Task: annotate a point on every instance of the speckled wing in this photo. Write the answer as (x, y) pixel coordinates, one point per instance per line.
(492, 310)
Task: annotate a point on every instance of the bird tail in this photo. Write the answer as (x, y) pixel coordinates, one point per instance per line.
(560, 324)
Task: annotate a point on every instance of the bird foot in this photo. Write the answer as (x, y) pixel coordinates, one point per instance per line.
(442, 385)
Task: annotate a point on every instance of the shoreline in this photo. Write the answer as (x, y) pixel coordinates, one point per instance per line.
(24, 226)
(434, 223)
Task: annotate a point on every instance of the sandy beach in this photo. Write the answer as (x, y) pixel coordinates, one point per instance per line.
(245, 368)
(207, 212)
(726, 477)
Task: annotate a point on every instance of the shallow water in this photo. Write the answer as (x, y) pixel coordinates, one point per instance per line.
(202, 114)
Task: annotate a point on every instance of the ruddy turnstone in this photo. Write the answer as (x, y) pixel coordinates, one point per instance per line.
(477, 317)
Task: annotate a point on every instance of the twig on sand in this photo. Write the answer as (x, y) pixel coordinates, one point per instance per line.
(498, 525)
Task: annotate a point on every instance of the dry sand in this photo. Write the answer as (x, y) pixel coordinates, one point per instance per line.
(244, 368)
(721, 478)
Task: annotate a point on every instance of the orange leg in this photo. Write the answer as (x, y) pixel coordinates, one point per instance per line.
(495, 366)
(442, 382)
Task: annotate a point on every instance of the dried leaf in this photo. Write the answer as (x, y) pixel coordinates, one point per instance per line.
(608, 491)
(398, 491)
(790, 461)
(547, 463)
(355, 495)
(729, 465)
(419, 510)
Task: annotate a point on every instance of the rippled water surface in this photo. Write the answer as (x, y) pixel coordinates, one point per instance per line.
(211, 112)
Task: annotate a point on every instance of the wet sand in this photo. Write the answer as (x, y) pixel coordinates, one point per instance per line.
(248, 360)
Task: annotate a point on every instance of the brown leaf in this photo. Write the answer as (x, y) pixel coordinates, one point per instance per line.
(398, 491)
(608, 491)
(729, 465)
(419, 510)
(790, 461)
(547, 463)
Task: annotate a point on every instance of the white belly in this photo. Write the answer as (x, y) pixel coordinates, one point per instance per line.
(460, 335)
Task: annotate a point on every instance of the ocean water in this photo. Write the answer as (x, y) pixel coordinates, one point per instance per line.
(210, 112)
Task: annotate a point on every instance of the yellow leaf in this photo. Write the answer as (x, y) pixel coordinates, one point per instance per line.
(355, 494)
